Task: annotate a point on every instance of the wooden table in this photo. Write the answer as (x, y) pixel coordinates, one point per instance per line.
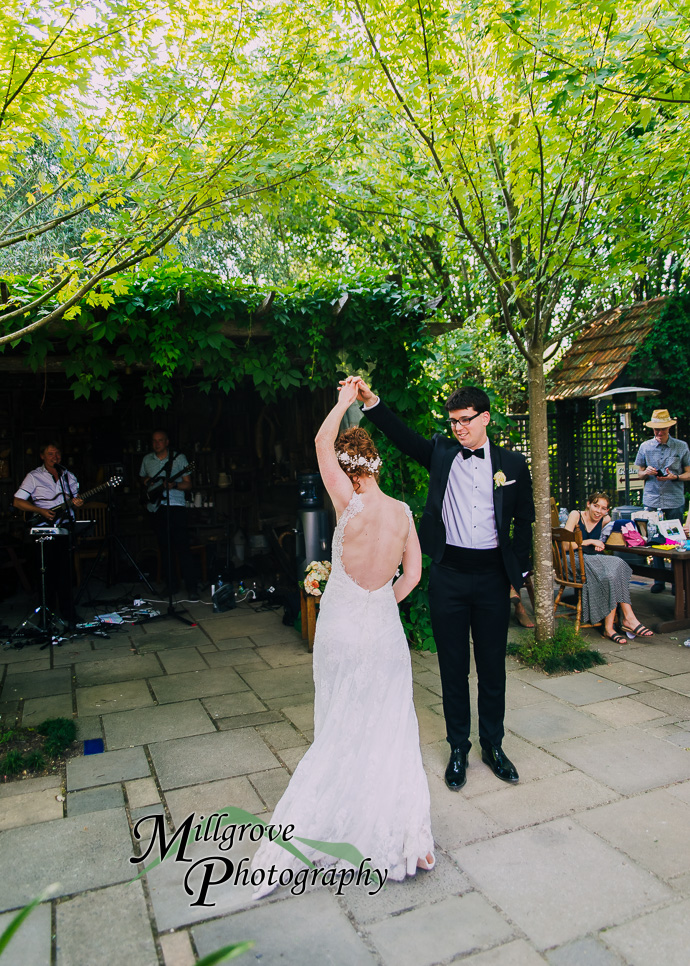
(679, 576)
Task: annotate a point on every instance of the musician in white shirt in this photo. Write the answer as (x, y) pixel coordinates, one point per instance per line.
(48, 486)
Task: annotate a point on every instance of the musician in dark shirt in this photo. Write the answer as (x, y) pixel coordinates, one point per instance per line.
(48, 486)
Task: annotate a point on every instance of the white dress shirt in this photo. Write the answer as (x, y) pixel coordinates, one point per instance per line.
(468, 503)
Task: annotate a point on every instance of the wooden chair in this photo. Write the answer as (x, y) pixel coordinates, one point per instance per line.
(555, 522)
(90, 543)
(569, 567)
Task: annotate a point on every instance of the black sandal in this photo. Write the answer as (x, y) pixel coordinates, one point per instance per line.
(639, 631)
(615, 637)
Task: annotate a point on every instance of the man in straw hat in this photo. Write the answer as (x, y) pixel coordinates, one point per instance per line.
(663, 463)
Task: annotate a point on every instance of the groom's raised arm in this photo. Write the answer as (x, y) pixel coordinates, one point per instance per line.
(408, 442)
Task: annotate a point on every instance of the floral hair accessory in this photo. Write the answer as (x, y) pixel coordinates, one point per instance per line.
(357, 462)
(500, 478)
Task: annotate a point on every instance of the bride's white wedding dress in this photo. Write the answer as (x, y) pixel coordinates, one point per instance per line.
(362, 780)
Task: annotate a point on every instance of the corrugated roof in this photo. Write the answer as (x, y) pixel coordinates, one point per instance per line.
(603, 349)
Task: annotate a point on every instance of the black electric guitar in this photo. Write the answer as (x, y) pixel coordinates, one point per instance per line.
(157, 487)
(61, 511)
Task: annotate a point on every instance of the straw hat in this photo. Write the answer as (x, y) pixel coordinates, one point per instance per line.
(661, 419)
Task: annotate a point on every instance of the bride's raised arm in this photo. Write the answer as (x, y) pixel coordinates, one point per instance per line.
(335, 479)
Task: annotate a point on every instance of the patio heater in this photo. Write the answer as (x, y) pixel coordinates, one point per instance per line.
(623, 401)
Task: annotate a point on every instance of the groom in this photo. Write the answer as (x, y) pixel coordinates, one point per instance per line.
(478, 494)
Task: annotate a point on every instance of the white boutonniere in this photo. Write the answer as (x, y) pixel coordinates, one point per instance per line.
(500, 479)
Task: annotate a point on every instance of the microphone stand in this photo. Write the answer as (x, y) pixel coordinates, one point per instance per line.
(67, 496)
(171, 607)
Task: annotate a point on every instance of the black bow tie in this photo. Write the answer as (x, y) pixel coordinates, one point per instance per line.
(466, 453)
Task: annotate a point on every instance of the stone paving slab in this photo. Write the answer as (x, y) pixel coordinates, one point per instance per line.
(173, 908)
(197, 684)
(31, 944)
(395, 897)
(105, 927)
(230, 705)
(670, 702)
(541, 801)
(520, 694)
(37, 684)
(676, 682)
(590, 886)
(142, 791)
(455, 925)
(240, 657)
(455, 820)
(584, 688)
(27, 667)
(233, 643)
(667, 658)
(303, 930)
(182, 659)
(661, 937)
(79, 855)
(106, 698)
(226, 754)
(552, 721)
(622, 712)
(146, 725)
(270, 784)
(432, 726)
(280, 701)
(278, 635)
(81, 652)
(301, 715)
(516, 953)
(291, 757)
(286, 654)
(626, 672)
(653, 829)
(39, 806)
(107, 768)
(628, 761)
(212, 797)
(281, 681)
(94, 799)
(129, 667)
(38, 710)
(248, 720)
(588, 951)
(28, 786)
(281, 735)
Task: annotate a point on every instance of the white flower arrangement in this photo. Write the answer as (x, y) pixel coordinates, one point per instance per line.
(500, 479)
(316, 577)
(356, 461)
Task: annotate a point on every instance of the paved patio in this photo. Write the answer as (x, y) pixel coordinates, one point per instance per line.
(585, 863)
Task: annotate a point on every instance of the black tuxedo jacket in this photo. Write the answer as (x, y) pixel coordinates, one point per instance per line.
(513, 502)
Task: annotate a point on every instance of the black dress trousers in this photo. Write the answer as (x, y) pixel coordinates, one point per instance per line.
(470, 591)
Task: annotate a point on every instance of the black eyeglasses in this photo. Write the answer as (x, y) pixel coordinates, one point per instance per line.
(463, 421)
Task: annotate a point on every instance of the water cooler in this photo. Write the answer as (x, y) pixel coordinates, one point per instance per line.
(313, 523)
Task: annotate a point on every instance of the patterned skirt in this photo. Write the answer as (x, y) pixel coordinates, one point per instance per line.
(607, 584)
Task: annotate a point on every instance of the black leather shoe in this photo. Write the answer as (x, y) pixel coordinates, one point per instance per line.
(501, 766)
(657, 588)
(456, 772)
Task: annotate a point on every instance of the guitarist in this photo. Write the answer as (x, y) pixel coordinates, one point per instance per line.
(162, 472)
(46, 487)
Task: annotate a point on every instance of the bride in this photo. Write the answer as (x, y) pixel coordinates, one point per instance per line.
(362, 780)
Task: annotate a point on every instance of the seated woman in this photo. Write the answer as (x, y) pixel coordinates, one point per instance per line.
(607, 583)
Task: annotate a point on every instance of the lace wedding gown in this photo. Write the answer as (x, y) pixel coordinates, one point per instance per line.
(362, 780)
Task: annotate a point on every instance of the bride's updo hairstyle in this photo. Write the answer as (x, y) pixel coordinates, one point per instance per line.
(357, 454)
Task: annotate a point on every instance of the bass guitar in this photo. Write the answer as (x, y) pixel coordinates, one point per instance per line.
(61, 510)
(156, 488)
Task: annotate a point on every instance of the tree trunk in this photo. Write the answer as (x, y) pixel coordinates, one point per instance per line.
(539, 445)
